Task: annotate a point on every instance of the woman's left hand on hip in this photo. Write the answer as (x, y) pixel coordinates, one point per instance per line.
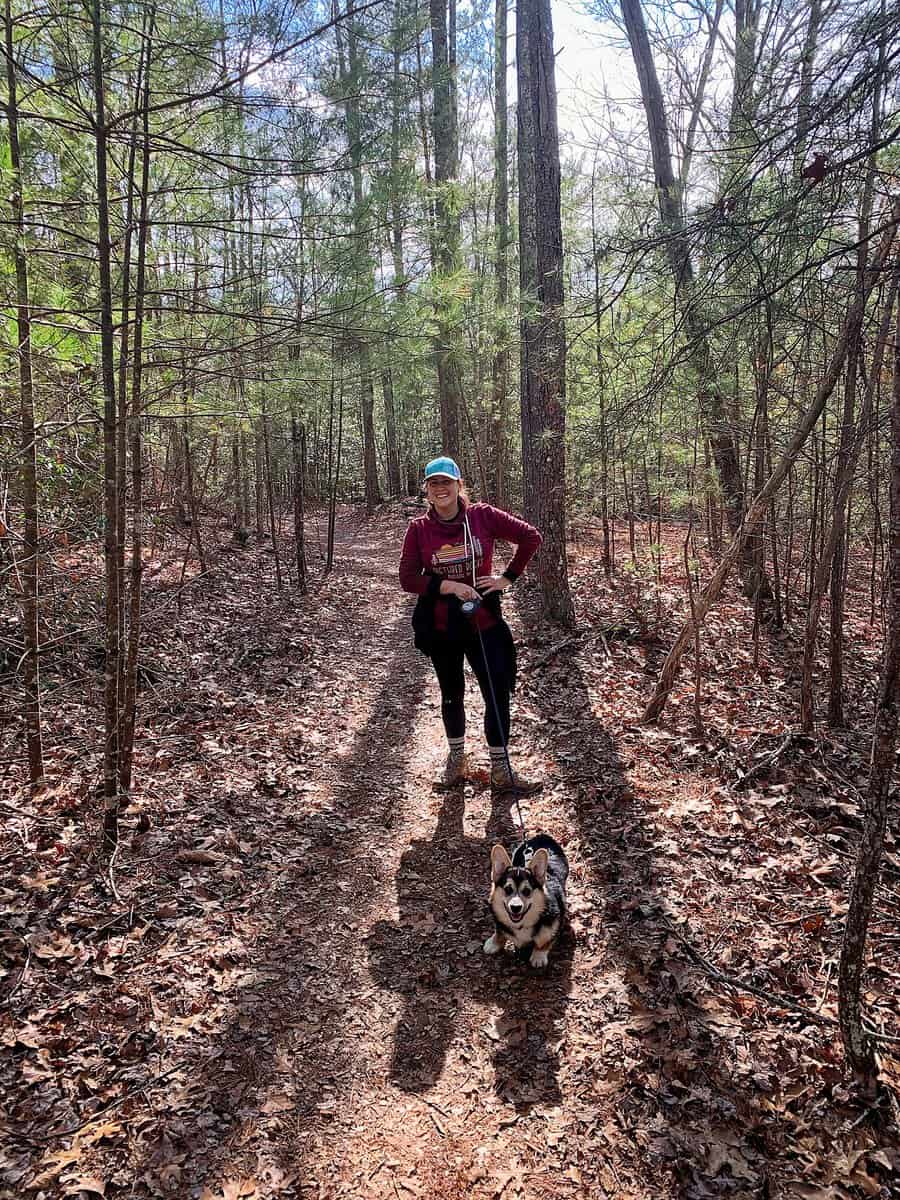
(493, 583)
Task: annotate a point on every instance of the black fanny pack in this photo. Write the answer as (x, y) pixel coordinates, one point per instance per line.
(459, 627)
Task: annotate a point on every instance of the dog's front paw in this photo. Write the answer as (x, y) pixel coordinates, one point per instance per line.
(493, 945)
(539, 958)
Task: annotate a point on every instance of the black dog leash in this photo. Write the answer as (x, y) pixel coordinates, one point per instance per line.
(512, 777)
(469, 609)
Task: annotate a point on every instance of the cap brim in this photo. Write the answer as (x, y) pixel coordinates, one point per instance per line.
(440, 475)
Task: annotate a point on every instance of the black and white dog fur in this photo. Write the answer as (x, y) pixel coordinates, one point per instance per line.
(528, 897)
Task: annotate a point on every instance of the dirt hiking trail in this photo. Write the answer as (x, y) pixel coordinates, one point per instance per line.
(292, 1000)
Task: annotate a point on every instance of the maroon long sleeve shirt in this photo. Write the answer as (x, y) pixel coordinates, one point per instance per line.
(434, 550)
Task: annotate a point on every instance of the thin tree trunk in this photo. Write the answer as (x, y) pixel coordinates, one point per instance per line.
(236, 473)
(298, 447)
(842, 487)
(446, 167)
(842, 510)
(397, 189)
(194, 504)
(716, 421)
(350, 74)
(732, 555)
(500, 365)
(270, 498)
(30, 572)
(601, 389)
(332, 499)
(126, 757)
(245, 482)
(259, 481)
(831, 559)
(110, 449)
(390, 433)
(857, 1044)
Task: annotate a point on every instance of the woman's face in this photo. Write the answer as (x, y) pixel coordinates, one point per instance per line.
(443, 493)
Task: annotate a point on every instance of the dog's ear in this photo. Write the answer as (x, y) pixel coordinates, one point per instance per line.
(540, 861)
(500, 861)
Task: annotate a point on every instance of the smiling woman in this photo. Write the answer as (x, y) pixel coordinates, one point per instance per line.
(447, 561)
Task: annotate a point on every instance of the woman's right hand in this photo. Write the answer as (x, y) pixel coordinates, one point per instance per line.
(462, 591)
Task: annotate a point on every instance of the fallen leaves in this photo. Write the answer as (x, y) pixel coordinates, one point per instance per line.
(295, 898)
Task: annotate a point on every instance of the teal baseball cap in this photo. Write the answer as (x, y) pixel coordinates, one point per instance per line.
(442, 466)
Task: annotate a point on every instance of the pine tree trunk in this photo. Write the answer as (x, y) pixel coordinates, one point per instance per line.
(350, 81)
(390, 433)
(30, 569)
(857, 1045)
(396, 178)
(447, 223)
(298, 447)
(500, 365)
(601, 393)
(110, 447)
(129, 713)
(236, 475)
(259, 482)
(270, 498)
(245, 482)
(543, 364)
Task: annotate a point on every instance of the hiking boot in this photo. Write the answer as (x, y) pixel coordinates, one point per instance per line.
(503, 781)
(454, 770)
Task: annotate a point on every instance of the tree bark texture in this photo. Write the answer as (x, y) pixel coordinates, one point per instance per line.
(110, 453)
(857, 1044)
(30, 567)
(129, 713)
(390, 433)
(298, 448)
(500, 365)
(543, 353)
(270, 499)
(350, 82)
(446, 166)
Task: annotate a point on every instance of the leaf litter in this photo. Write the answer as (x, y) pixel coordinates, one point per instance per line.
(291, 999)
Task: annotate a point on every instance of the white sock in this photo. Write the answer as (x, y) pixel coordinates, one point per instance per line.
(498, 758)
(457, 746)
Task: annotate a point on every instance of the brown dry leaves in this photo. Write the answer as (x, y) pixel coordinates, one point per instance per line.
(292, 1000)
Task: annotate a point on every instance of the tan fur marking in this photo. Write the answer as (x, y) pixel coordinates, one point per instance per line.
(544, 938)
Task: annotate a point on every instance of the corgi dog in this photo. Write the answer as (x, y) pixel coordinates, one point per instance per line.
(528, 897)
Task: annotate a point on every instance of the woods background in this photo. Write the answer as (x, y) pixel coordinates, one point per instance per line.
(266, 258)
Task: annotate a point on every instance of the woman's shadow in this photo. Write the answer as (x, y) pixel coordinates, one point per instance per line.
(433, 956)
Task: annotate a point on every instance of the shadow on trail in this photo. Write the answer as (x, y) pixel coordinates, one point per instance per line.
(269, 1082)
(433, 957)
(667, 1060)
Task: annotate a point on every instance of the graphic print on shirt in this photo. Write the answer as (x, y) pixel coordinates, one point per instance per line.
(455, 561)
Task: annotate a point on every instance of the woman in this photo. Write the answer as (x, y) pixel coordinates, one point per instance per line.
(447, 560)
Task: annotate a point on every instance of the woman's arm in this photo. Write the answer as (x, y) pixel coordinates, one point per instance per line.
(524, 537)
(414, 578)
(412, 572)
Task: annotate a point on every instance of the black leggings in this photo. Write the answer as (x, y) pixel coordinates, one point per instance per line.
(447, 657)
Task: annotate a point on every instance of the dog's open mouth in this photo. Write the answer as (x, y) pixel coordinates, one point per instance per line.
(517, 918)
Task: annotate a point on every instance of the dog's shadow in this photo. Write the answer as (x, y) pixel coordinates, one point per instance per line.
(433, 956)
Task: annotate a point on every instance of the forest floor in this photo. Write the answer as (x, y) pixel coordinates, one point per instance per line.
(280, 989)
